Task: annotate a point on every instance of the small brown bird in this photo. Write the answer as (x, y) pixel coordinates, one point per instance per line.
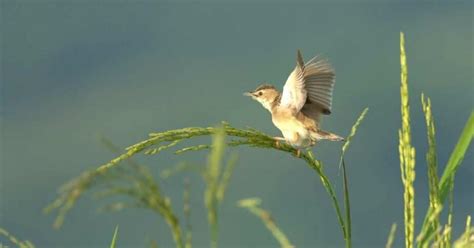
(296, 111)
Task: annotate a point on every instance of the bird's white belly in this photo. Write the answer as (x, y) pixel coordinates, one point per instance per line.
(294, 132)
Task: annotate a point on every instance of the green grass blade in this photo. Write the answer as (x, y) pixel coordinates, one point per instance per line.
(19, 243)
(252, 204)
(456, 157)
(114, 238)
(187, 213)
(212, 176)
(449, 225)
(348, 231)
(391, 236)
(226, 175)
(347, 206)
(447, 179)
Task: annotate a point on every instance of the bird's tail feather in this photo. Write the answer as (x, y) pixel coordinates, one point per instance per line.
(324, 135)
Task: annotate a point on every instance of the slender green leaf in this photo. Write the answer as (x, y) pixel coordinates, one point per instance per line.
(14, 240)
(187, 213)
(212, 175)
(447, 179)
(226, 175)
(348, 231)
(456, 157)
(252, 204)
(347, 206)
(114, 238)
(391, 236)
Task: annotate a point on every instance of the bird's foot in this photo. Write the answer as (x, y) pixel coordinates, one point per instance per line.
(298, 153)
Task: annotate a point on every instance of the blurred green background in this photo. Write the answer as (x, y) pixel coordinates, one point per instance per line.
(72, 71)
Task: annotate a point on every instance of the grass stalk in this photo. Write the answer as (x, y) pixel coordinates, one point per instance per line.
(252, 204)
(348, 224)
(212, 175)
(114, 238)
(433, 180)
(407, 152)
(187, 213)
(391, 236)
(347, 206)
(446, 182)
(14, 240)
(72, 191)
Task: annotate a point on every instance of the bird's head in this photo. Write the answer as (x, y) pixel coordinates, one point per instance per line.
(265, 94)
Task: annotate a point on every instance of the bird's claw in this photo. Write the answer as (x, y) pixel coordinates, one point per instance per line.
(277, 143)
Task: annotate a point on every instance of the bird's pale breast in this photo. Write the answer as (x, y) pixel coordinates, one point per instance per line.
(293, 130)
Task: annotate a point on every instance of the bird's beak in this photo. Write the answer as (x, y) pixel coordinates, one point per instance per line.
(248, 94)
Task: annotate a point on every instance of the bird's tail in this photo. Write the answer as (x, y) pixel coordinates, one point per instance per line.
(324, 135)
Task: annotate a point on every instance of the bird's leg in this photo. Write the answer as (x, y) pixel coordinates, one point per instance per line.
(277, 141)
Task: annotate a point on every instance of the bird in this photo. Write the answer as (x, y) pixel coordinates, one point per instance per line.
(297, 110)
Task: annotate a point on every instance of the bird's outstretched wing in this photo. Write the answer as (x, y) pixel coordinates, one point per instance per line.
(309, 87)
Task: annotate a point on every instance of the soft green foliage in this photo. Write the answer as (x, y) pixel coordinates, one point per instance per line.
(215, 178)
(456, 157)
(252, 204)
(114, 238)
(212, 177)
(347, 206)
(407, 152)
(15, 241)
(391, 236)
(146, 193)
(431, 226)
(432, 234)
(225, 178)
(70, 193)
(134, 181)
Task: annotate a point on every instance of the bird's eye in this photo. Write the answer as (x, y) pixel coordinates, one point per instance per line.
(260, 93)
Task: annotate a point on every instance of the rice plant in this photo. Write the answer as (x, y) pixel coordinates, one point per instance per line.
(407, 153)
(431, 234)
(146, 188)
(136, 182)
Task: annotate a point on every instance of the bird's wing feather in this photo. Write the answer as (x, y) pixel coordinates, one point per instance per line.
(309, 84)
(312, 111)
(294, 92)
(319, 79)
